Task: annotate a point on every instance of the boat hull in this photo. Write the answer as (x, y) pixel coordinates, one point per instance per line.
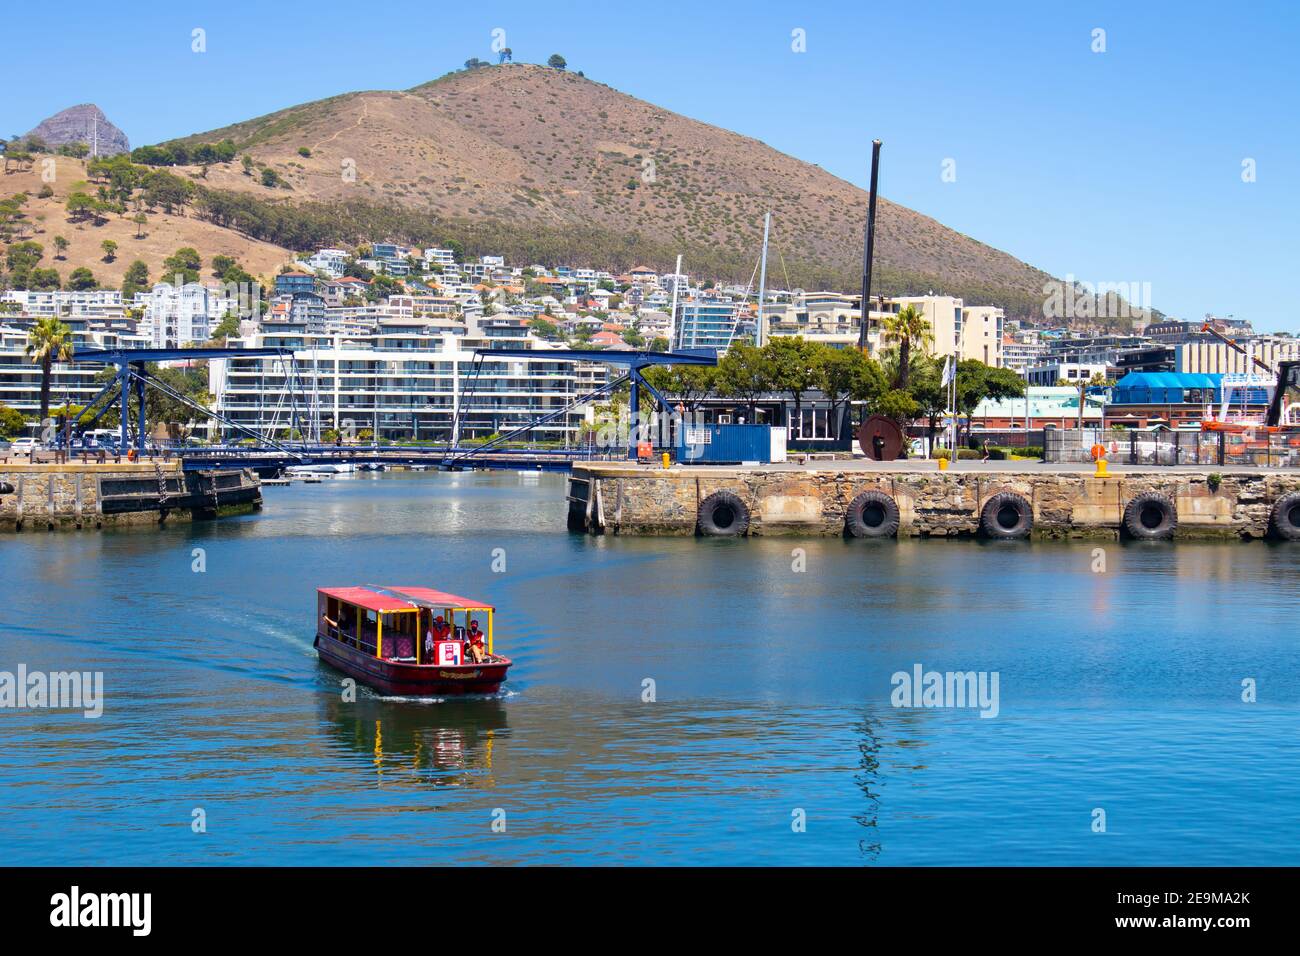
(412, 680)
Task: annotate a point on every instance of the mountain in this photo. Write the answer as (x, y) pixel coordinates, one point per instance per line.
(85, 123)
(548, 166)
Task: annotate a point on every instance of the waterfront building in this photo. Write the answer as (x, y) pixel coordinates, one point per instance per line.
(70, 382)
(402, 382)
(65, 303)
(1142, 399)
(1214, 357)
(1040, 406)
(969, 332)
(709, 323)
(1054, 373)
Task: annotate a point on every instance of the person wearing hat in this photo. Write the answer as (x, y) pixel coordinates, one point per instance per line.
(475, 643)
(438, 631)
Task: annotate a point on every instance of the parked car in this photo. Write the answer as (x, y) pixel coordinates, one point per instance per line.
(24, 446)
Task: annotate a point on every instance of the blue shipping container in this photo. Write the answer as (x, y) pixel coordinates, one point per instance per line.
(730, 444)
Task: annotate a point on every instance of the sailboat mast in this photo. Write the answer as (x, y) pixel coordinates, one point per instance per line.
(672, 319)
(762, 281)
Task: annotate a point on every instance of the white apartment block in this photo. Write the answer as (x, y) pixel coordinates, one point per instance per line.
(176, 316)
(330, 261)
(439, 257)
(67, 303)
(1051, 374)
(402, 383)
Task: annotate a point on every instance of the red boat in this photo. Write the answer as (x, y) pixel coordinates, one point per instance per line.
(407, 642)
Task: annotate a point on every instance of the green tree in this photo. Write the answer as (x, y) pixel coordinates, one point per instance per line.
(688, 384)
(12, 422)
(135, 280)
(140, 220)
(977, 381)
(793, 362)
(845, 375)
(23, 258)
(110, 249)
(60, 247)
(81, 279)
(745, 372)
(185, 262)
(48, 341)
(227, 328)
(557, 62)
(908, 329)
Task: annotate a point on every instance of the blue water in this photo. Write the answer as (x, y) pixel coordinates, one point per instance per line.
(1119, 691)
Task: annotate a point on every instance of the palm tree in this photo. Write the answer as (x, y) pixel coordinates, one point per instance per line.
(907, 327)
(49, 341)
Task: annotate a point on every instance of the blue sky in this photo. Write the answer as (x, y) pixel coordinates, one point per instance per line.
(1124, 165)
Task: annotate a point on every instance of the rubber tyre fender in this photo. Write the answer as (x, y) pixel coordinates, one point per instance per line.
(872, 514)
(1141, 506)
(1285, 517)
(722, 515)
(994, 510)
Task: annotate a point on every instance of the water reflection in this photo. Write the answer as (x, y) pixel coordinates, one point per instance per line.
(868, 781)
(448, 743)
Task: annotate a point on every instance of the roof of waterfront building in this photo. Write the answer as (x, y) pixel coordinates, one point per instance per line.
(1170, 380)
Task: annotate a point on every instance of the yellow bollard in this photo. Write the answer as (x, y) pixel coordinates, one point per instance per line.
(1101, 468)
(667, 463)
(943, 464)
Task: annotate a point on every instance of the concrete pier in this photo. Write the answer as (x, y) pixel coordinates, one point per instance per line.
(920, 500)
(82, 495)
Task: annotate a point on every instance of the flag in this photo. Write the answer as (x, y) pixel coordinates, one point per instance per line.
(949, 371)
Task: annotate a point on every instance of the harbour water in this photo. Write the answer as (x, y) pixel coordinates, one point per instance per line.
(771, 737)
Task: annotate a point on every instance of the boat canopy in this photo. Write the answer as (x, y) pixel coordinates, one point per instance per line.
(374, 597)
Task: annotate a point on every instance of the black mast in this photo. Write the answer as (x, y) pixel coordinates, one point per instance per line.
(869, 244)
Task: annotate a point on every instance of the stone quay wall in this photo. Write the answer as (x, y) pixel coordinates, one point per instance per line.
(630, 499)
(80, 495)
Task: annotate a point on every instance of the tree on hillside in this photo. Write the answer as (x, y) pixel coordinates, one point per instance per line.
(135, 280)
(557, 62)
(140, 220)
(60, 247)
(110, 249)
(82, 279)
(48, 341)
(185, 262)
(908, 328)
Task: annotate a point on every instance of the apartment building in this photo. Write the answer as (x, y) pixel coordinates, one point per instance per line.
(402, 383)
(1215, 357)
(175, 316)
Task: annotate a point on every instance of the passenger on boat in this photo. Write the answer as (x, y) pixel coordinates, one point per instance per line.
(475, 645)
(437, 631)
